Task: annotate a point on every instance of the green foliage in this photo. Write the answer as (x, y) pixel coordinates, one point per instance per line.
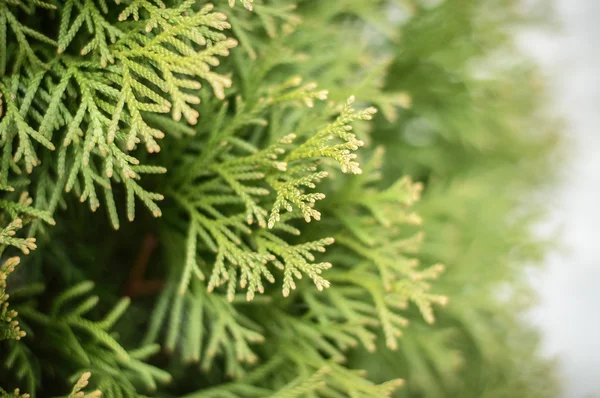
(7, 237)
(81, 383)
(380, 278)
(95, 113)
(77, 391)
(9, 327)
(83, 343)
(14, 394)
(224, 184)
(257, 156)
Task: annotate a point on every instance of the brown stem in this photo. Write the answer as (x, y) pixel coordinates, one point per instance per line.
(136, 285)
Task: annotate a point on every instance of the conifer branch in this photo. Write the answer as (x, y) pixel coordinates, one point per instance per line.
(214, 328)
(7, 237)
(87, 344)
(21, 362)
(22, 33)
(9, 326)
(170, 52)
(96, 96)
(226, 182)
(15, 394)
(81, 383)
(380, 267)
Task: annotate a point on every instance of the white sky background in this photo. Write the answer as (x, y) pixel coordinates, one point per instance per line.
(569, 287)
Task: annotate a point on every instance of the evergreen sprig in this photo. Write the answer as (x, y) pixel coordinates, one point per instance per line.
(95, 112)
(225, 182)
(88, 344)
(254, 155)
(81, 383)
(9, 326)
(15, 394)
(213, 328)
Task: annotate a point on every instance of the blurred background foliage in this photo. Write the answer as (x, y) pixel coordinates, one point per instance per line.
(480, 134)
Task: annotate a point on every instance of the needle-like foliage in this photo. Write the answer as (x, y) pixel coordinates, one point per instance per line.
(307, 167)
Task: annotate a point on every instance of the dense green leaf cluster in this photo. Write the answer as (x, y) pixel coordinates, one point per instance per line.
(282, 254)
